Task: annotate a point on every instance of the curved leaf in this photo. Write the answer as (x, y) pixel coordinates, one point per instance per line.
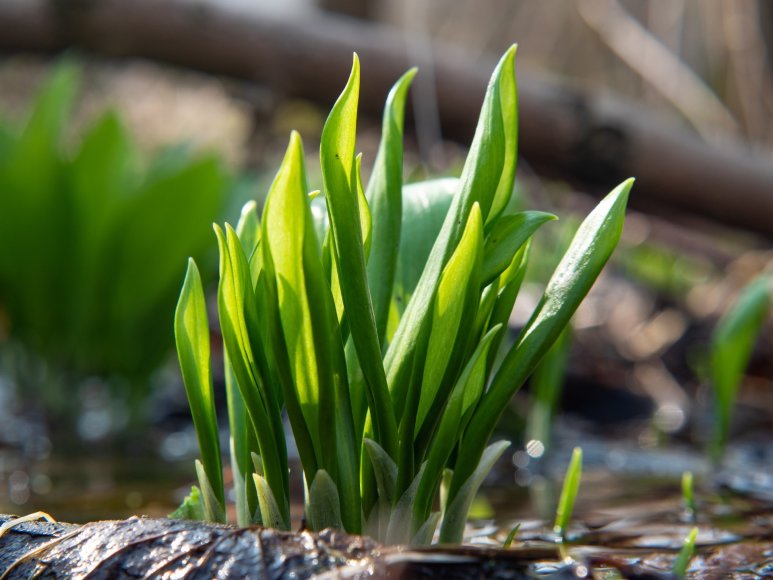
(191, 329)
(588, 253)
(339, 176)
(385, 194)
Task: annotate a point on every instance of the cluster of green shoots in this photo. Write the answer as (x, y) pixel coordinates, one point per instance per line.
(391, 405)
(93, 243)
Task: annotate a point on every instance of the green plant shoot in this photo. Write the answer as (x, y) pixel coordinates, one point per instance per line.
(685, 555)
(731, 348)
(568, 494)
(688, 495)
(376, 328)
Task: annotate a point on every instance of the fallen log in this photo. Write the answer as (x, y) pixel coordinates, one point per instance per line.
(573, 134)
(157, 548)
(166, 548)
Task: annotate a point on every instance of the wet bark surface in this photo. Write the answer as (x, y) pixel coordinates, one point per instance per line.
(164, 548)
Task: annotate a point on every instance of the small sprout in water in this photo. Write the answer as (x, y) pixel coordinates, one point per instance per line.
(685, 554)
(511, 536)
(568, 494)
(688, 495)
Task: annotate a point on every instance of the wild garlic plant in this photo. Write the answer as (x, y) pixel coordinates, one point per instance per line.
(388, 403)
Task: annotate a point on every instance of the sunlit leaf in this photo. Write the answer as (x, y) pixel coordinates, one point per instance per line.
(192, 337)
(588, 253)
(324, 507)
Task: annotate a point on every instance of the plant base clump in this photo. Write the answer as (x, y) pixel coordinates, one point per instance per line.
(383, 356)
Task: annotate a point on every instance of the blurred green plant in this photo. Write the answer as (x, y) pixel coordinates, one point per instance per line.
(568, 494)
(380, 352)
(685, 555)
(92, 246)
(731, 348)
(688, 496)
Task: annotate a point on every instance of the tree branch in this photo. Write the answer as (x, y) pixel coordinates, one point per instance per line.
(564, 132)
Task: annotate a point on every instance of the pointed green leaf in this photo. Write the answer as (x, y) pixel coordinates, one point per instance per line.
(685, 555)
(214, 506)
(263, 411)
(324, 507)
(269, 508)
(192, 338)
(568, 494)
(385, 194)
(464, 397)
(508, 95)
(311, 330)
(285, 227)
(506, 238)
(401, 523)
(385, 469)
(455, 516)
(339, 176)
(588, 253)
(479, 181)
(427, 530)
(460, 277)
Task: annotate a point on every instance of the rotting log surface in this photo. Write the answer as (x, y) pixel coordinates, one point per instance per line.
(161, 548)
(566, 132)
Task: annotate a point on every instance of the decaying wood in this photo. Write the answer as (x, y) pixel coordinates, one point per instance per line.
(165, 548)
(564, 131)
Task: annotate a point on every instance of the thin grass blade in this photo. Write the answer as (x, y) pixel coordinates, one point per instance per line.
(568, 494)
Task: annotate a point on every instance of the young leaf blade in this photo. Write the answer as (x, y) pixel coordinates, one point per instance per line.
(568, 494)
(385, 194)
(191, 330)
(588, 253)
(339, 176)
(459, 279)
